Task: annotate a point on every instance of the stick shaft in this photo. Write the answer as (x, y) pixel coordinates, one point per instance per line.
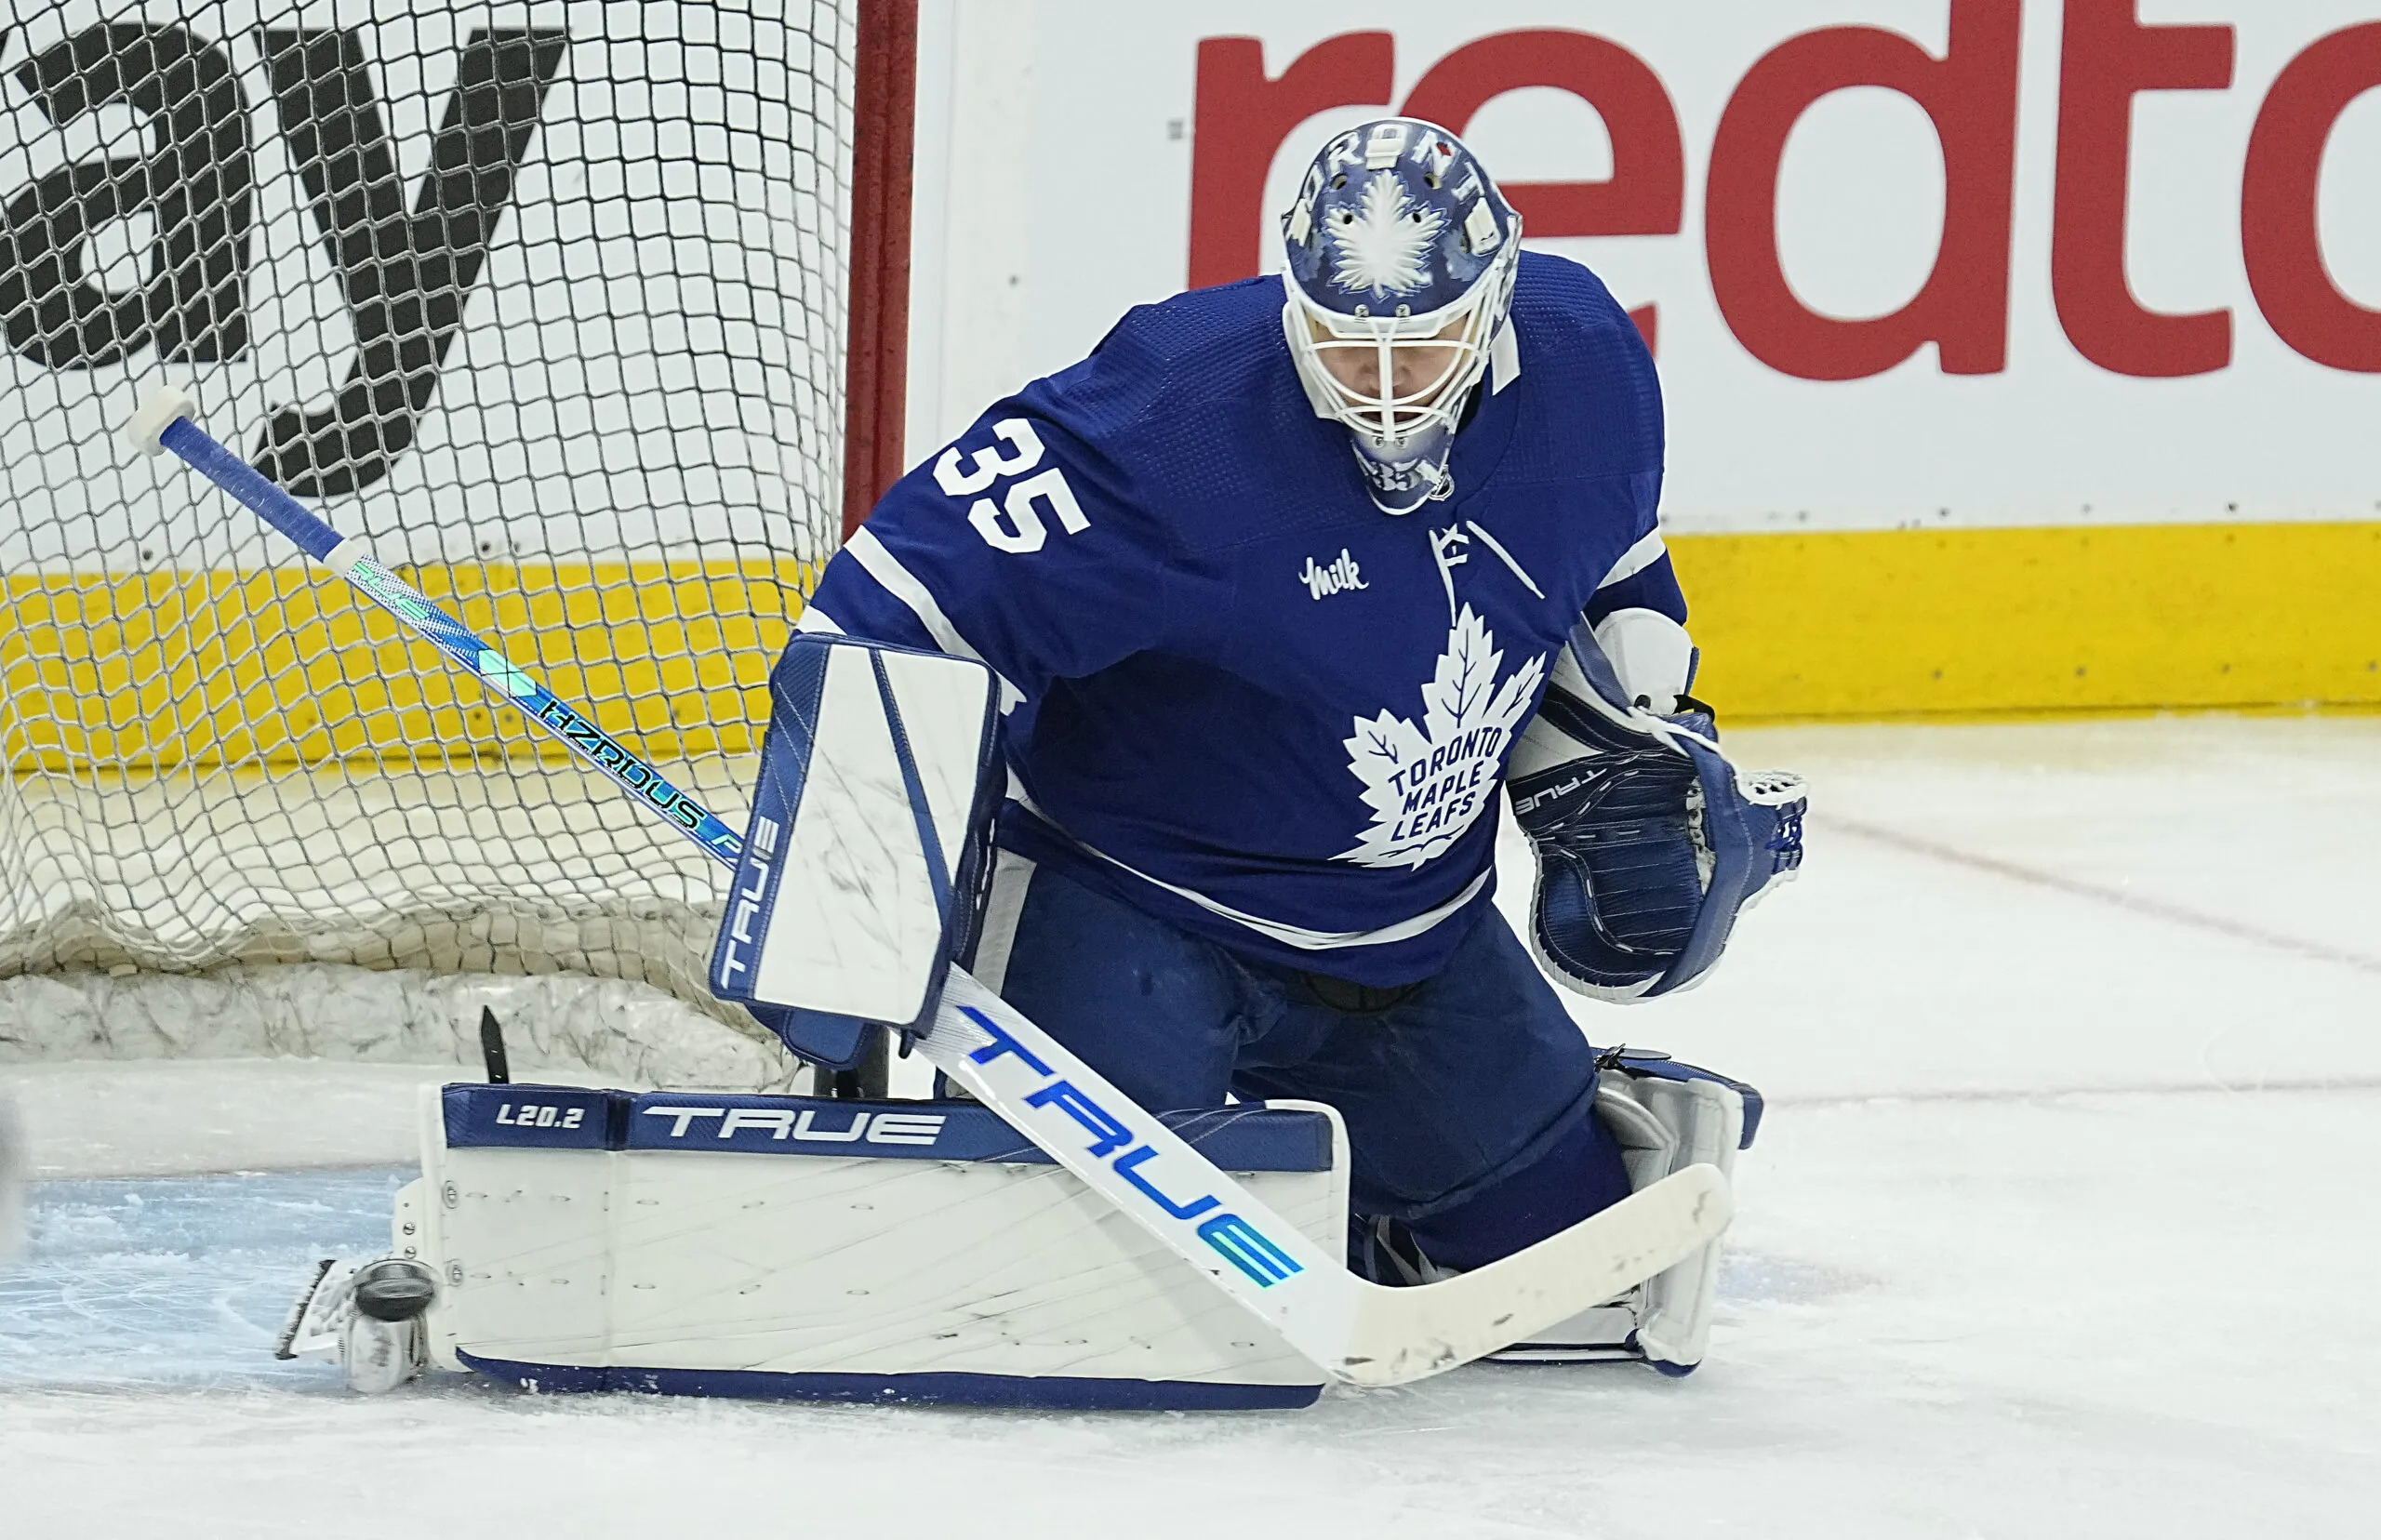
(574, 729)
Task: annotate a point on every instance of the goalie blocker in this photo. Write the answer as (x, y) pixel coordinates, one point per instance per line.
(870, 840)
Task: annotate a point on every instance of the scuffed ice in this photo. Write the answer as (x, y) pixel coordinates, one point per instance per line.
(629, 1032)
(181, 1282)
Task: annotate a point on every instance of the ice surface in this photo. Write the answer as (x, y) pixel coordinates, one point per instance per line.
(140, 1284)
(2062, 1224)
(2115, 905)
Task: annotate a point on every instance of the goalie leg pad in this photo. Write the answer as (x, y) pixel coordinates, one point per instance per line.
(793, 1247)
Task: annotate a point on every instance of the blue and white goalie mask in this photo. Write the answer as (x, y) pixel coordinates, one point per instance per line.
(1400, 273)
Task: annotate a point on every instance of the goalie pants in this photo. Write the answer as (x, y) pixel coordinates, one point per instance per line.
(1468, 1096)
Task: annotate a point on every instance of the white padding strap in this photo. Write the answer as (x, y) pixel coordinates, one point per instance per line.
(1651, 655)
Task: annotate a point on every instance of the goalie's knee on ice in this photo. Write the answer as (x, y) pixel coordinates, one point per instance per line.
(1653, 1117)
(1580, 1172)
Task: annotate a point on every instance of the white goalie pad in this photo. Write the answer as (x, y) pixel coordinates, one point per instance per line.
(794, 1247)
(861, 862)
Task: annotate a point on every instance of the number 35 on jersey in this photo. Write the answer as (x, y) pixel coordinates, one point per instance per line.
(1014, 523)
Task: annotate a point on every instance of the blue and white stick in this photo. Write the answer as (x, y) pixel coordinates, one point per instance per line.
(165, 421)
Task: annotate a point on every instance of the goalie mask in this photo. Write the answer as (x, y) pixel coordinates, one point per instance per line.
(1400, 260)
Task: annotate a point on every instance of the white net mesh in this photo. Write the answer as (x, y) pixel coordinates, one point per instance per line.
(544, 301)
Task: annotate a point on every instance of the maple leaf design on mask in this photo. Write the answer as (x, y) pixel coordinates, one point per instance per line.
(1381, 249)
(1428, 784)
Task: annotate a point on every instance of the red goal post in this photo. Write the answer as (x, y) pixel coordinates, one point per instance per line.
(882, 148)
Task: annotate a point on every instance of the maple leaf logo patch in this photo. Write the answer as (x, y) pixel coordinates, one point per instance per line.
(1427, 784)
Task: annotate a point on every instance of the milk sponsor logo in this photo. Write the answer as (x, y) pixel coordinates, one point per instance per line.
(1342, 576)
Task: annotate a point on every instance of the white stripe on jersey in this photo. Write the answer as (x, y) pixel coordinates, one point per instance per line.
(1012, 875)
(1636, 559)
(1287, 935)
(902, 584)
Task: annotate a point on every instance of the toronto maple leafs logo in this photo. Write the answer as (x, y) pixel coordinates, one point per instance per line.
(1427, 784)
(1379, 249)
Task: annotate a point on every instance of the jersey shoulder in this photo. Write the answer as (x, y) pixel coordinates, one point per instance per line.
(1192, 409)
(1595, 400)
(1183, 357)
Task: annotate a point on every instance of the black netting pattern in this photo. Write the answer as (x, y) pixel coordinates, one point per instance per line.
(546, 303)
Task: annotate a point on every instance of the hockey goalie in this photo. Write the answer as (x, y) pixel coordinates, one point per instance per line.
(1142, 751)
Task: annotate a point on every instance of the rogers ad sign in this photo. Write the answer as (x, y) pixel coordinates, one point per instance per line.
(1936, 263)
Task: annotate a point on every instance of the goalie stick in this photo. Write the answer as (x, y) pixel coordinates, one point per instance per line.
(1357, 1331)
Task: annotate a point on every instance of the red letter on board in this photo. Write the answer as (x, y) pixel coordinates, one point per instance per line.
(1646, 194)
(1971, 93)
(2279, 237)
(1240, 119)
(2108, 58)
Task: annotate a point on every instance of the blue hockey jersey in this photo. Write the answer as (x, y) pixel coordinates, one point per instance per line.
(1238, 694)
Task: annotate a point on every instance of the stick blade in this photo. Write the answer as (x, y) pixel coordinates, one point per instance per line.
(1405, 1334)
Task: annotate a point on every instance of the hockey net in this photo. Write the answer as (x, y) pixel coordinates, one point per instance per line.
(550, 304)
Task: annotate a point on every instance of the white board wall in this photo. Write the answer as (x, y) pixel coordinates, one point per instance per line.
(1055, 184)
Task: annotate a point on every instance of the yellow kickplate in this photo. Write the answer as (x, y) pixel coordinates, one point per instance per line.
(287, 665)
(2012, 621)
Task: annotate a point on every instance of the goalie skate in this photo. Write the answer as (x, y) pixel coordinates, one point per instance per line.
(366, 1319)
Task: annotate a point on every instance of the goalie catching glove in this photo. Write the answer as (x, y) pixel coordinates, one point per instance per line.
(1649, 843)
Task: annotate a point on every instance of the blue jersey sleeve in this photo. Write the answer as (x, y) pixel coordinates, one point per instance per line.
(1023, 544)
